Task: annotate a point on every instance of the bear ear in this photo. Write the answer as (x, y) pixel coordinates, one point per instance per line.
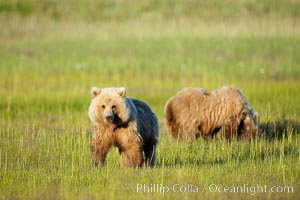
(255, 116)
(95, 91)
(122, 91)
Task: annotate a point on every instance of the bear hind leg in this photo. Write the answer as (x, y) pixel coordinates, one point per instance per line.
(150, 155)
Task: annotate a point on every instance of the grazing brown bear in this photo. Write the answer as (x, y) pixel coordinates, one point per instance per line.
(126, 123)
(194, 111)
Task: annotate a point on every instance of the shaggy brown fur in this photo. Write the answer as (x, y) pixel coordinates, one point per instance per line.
(194, 111)
(128, 124)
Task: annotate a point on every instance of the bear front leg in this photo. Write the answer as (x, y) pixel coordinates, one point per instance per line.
(131, 158)
(230, 132)
(131, 154)
(99, 149)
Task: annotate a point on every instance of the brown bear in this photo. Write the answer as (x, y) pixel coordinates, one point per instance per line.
(194, 111)
(126, 123)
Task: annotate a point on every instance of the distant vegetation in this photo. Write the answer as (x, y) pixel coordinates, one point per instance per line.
(124, 10)
(53, 52)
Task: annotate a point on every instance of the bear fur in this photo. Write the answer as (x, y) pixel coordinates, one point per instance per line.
(195, 111)
(126, 123)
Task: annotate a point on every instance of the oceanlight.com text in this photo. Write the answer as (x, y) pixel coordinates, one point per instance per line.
(249, 189)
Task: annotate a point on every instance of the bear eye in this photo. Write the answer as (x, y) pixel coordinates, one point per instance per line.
(113, 107)
(103, 106)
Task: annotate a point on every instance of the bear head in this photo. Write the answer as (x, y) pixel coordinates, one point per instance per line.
(249, 125)
(109, 106)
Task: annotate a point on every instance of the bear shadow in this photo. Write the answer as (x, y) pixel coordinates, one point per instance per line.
(184, 163)
(278, 129)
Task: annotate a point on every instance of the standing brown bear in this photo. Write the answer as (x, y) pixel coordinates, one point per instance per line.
(126, 123)
(194, 111)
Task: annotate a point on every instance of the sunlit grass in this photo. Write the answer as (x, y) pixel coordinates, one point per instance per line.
(58, 161)
(50, 59)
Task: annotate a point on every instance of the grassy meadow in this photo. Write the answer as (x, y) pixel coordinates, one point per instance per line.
(53, 52)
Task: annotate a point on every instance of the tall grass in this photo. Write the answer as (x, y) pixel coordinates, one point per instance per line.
(52, 53)
(38, 162)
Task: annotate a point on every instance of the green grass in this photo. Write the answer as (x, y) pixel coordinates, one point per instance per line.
(52, 53)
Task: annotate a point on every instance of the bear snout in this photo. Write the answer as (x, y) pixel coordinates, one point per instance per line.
(109, 117)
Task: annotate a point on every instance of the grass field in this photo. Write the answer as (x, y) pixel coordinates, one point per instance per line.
(53, 52)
